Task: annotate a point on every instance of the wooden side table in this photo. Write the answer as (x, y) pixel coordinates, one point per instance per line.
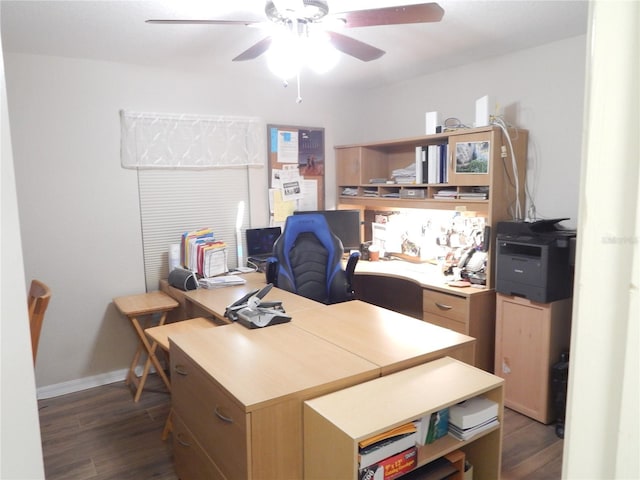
(144, 306)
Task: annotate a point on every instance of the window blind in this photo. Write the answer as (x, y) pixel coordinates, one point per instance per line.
(175, 201)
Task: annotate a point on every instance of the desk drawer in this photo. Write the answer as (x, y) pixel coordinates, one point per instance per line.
(215, 420)
(456, 326)
(445, 305)
(190, 460)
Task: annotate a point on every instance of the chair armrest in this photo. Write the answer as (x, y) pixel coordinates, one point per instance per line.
(351, 266)
(271, 271)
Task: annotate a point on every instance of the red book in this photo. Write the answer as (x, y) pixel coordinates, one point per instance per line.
(392, 467)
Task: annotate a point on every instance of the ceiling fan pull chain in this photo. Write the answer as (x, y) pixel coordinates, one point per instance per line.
(299, 99)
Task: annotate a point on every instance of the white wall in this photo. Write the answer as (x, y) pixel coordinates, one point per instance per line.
(604, 364)
(540, 89)
(20, 446)
(79, 209)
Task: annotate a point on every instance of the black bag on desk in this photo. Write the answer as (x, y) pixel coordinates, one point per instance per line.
(183, 279)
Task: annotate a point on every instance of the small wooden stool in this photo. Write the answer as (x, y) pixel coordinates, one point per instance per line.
(145, 305)
(160, 335)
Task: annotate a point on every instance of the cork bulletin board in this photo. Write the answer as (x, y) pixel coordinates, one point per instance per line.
(296, 167)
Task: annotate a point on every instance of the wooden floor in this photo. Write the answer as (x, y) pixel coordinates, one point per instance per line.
(102, 434)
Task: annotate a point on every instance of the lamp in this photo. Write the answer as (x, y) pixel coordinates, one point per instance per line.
(239, 220)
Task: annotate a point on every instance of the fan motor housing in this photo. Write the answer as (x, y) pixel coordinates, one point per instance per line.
(313, 10)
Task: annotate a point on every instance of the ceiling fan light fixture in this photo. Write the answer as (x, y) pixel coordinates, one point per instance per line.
(308, 10)
(285, 54)
(321, 56)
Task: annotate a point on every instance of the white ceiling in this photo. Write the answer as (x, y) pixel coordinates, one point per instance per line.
(116, 31)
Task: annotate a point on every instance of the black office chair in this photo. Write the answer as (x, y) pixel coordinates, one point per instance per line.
(307, 260)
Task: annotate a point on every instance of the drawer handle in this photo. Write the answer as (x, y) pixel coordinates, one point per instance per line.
(222, 417)
(181, 441)
(180, 370)
(443, 306)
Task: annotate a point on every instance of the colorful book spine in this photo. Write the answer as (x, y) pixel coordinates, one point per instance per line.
(392, 467)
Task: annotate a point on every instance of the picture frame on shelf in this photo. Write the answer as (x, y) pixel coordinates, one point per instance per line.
(472, 157)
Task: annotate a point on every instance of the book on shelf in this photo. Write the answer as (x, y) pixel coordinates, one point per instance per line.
(472, 412)
(433, 426)
(391, 467)
(431, 164)
(386, 444)
(421, 160)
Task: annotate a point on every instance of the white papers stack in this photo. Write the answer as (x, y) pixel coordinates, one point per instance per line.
(222, 281)
(472, 432)
(471, 417)
(405, 175)
(214, 261)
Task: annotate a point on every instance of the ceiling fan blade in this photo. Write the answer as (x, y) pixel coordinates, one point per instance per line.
(255, 51)
(421, 13)
(355, 48)
(203, 22)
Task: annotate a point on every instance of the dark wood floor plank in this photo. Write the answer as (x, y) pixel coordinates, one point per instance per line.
(101, 434)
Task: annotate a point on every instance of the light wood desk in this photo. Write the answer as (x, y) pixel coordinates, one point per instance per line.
(214, 301)
(421, 291)
(238, 392)
(389, 339)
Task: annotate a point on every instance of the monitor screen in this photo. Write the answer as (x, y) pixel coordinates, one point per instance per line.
(345, 224)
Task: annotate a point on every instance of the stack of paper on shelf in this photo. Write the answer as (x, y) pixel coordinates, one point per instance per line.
(446, 193)
(405, 175)
(471, 417)
(387, 444)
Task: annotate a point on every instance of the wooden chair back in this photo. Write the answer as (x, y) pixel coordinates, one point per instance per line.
(38, 301)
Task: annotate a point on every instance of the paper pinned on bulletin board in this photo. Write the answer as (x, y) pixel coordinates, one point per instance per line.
(287, 146)
(280, 208)
(289, 180)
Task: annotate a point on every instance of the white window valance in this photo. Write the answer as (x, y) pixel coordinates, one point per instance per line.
(164, 140)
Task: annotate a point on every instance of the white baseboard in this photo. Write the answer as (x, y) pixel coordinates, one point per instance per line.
(72, 386)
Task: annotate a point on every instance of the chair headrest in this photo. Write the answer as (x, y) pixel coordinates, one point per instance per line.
(313, 223)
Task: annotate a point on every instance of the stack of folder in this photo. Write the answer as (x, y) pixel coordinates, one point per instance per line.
(202, 254)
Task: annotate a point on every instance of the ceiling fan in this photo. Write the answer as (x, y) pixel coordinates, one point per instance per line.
(302, 17)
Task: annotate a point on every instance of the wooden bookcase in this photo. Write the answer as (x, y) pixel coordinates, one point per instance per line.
(335, 423)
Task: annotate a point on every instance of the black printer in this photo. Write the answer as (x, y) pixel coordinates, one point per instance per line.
(535, 260)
